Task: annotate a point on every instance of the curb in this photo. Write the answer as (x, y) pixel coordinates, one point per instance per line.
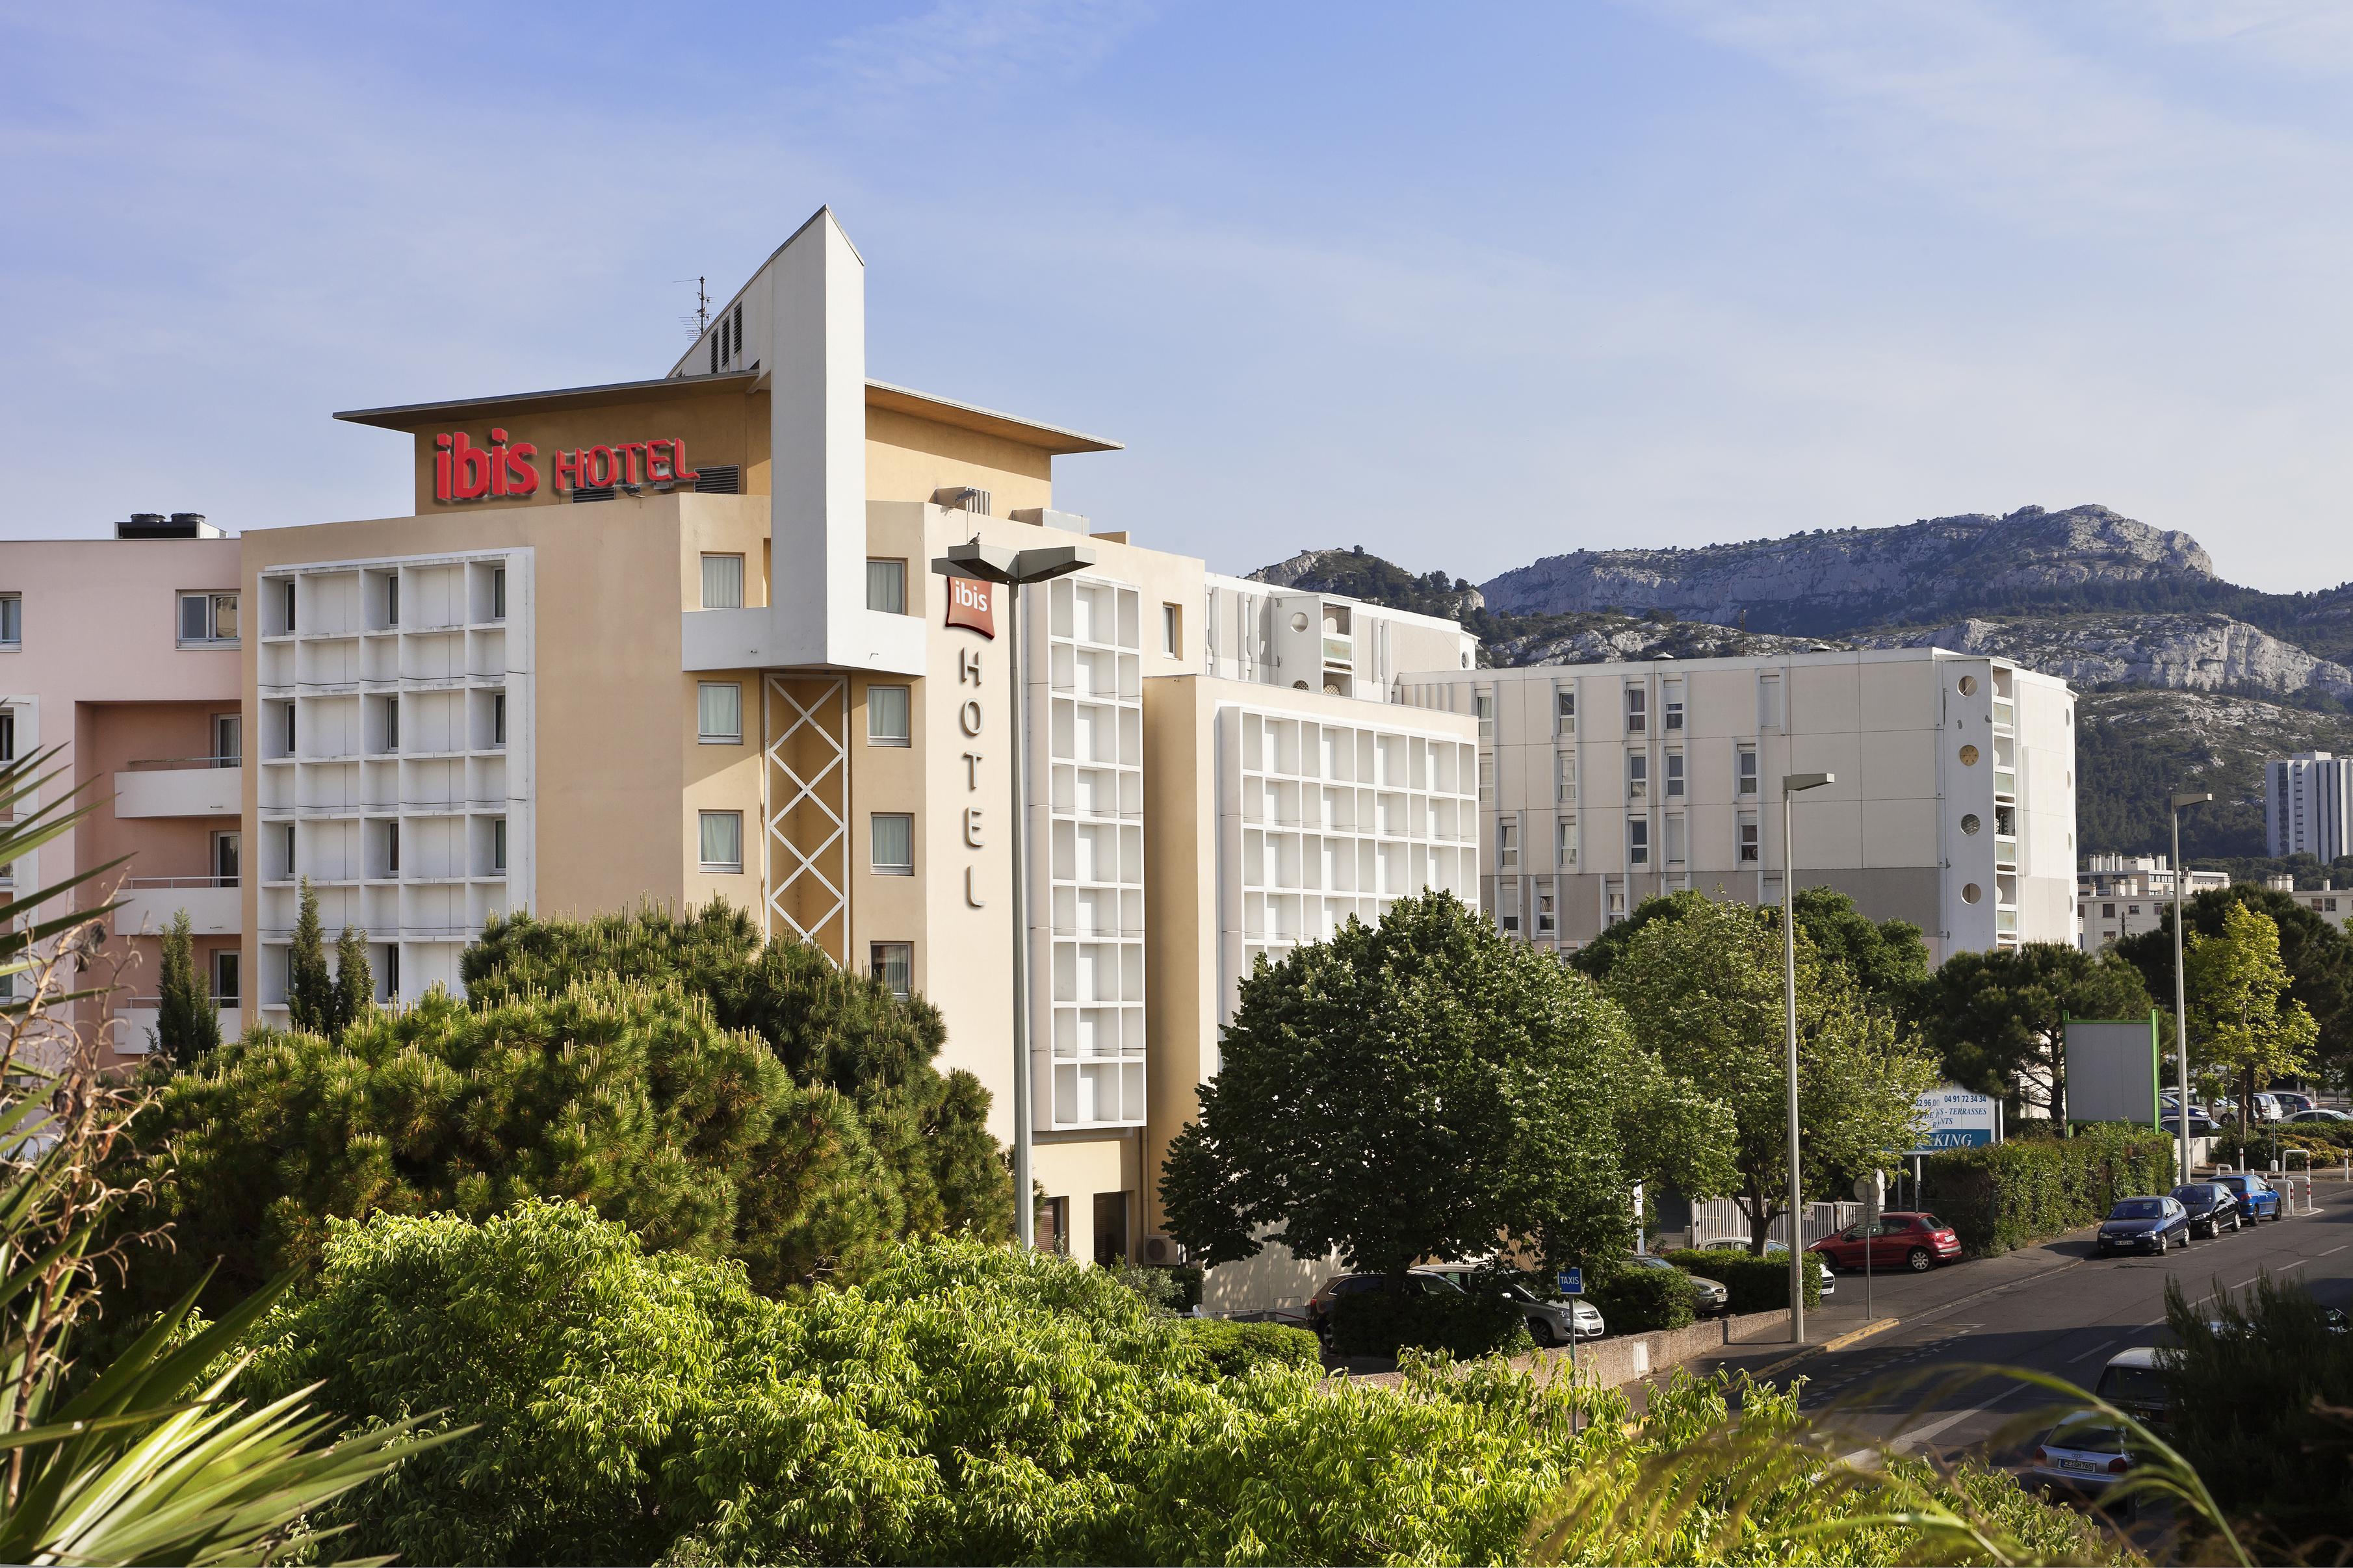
(1836, 1342)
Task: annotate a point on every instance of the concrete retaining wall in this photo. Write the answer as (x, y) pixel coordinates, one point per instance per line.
(1607, 1364)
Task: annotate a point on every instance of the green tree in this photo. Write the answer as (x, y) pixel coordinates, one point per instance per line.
(828, 1025)
(354, 981)
(188, 1025)
(1998, 1019)
(1420, 1088)
(309, 989)
(1887, 958)
(620, 1096)
(2241, 1016)
(2318, 956)
(1704, 993)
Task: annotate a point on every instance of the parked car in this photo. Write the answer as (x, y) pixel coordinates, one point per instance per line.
(1740, 1243)
(2258, 1199)
(1319, 1305)
(2211, 1206)
(2201, 1125)
(2083, 1456)
(2320, 1113)
(2291, 1102)
(1915, 1241)
(2142, 1224)
(1709, 1296)
(1548, 1316)
(2134, 1383)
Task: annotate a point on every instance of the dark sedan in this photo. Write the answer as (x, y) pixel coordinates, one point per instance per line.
(2211, 1206)
(2143, 1225)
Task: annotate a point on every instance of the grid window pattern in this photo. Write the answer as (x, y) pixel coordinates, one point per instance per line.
(1507, 847)
(1744, 767)
(1749, 850)
(205, 619)
(887, 715)
(1638, 841)
(894, 963)
(894, 844)
(1674, 764)
(1568, 843)
(1563, 712)
(11, 620)
(886, 586)
(1093, 784)
(1565, 778)
(723, 581)
(1638, 709)
(720, 835)
(1638, 777)
(719, 712)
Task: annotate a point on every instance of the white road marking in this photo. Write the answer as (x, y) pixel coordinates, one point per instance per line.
(2092, 1351)
(2332, 1251)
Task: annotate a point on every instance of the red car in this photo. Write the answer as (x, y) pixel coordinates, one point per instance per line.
(1915, 1241)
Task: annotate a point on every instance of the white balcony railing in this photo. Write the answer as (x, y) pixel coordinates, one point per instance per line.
(148, 903)
(181, 786)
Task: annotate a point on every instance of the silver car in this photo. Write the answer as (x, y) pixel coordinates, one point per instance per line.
(1740, 1243)
(1548, 1321)
(1709, 1296)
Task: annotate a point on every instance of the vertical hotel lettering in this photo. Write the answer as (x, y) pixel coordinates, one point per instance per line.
(971, 607)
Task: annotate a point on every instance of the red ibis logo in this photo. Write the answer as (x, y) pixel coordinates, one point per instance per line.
(972, 604)
(501, 472)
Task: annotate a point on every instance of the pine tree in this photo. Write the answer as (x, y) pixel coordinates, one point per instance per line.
(355, 982)
(309, 989)
(187, 1026)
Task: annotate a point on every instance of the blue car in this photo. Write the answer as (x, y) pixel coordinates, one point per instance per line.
(2258, 1199)
(2143, 1225)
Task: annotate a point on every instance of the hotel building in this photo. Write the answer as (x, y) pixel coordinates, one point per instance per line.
(1602, 785)
(679, 638)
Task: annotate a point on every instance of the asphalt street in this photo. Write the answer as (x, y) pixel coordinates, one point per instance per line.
(2054, 1309)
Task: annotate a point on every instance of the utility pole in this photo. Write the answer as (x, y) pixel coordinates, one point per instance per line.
(1790, 784)
(2181, 983)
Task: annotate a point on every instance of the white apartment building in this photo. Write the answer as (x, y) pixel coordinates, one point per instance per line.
(1603, 784)
(2308, 805)
(2117, 896)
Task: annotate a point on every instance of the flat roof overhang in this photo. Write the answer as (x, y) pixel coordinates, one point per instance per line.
(1052, 438)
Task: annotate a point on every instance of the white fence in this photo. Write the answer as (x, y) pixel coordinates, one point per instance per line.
(1722, 1217)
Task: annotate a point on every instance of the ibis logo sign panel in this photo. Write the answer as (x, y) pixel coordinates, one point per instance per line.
(972, 605)
(504, 471)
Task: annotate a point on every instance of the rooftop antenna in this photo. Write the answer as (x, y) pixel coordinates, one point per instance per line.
(702, 307)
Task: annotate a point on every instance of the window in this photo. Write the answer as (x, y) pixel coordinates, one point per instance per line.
(392, 600)
(392, 723)
(498, 593)
(1172, 630)
(1565, 779)
(228, 978)
(11, 620)
(7, 734)
(886, 586)
(2132, 909)
(886, 715)
(723, 581)
(1486, 776)
(285, 851)
(2107, 911)
(894, 963)
(1638, 841)
(1507, 847)
(1053, 1228)
(1508, 907)
(391, 850)
(894, 844)
(722, 840)
(1675, 839)
(288, 604)
(290, 729)
(1745, 769)
(1638, 777)
(1563, 710)
(719, 713)
(497, 717)
(1568, 844)
(498, 844)
(1749, 854)
(229, 739)
(1768, 702)
(207, 619)
(1484, 704)
(1673, 698)
(1638, 711)
(1547, 920)
(229, 848)
(1674, 776)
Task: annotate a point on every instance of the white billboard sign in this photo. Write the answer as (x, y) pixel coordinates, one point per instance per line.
(1957, 1119)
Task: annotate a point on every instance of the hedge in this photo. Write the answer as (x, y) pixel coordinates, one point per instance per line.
(1233, 1349)
(2010, 1194)
(1380, 1323)
(1642, 1301)
(1755, 1284)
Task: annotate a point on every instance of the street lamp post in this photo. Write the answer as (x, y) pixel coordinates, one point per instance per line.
(1017, 569)
(1791, 783)
(2181, 985)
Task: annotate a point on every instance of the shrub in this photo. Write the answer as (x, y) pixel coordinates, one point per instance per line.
(968, 1404)
(1465, 1326)
(2012, 1194)
(1754, 1284)
(1642, 1301)
(1233, 1349)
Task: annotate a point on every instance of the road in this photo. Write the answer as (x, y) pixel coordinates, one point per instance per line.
(2054, 1309)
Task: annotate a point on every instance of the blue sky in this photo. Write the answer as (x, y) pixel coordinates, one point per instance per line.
(1464, 285)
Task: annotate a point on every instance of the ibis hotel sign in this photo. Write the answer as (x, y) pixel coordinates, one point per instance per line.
(504, 470)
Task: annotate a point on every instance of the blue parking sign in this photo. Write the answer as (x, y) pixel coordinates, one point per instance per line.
(1572, 1281)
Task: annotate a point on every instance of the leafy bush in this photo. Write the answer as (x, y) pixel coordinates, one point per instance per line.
(1754, 1284)
(1233, 1349)
(1463, 1325)
(968, 1404)
(2011, 1194)
(1642, 1301)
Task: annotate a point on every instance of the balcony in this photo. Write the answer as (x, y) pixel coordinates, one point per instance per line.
(1339, 652)
(2005, 714)
(181, 786)
(2005, 784)
(148, 904)
(135, 1023)
(2005, 853)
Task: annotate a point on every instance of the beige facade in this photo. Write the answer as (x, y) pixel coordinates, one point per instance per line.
(2117, 896)
(1604, 784)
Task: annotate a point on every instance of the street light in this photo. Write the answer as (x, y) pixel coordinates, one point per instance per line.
(1791, 783)
(2180, 986)
(1017, 569)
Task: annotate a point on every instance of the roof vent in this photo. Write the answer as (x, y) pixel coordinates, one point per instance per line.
(155, 525)
(962, 497)
(719, 479)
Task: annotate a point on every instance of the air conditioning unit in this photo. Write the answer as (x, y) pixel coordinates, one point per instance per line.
(1162, 1250)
